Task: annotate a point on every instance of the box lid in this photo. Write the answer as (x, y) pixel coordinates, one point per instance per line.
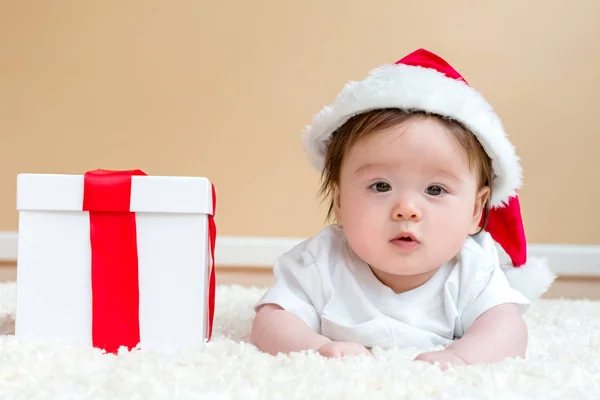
(161, 194)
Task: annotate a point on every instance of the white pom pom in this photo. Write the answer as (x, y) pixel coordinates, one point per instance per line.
(532, 279)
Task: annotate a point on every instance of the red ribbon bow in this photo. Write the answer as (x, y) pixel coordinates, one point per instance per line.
(114, 263)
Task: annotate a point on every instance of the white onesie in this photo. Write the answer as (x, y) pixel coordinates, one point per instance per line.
(323, 282)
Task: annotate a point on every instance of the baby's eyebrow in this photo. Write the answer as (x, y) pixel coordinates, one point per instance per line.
(438, 171)
(447, 174)
(368, 166)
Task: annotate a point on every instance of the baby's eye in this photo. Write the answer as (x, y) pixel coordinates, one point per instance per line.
(435, 190)
(381, 187)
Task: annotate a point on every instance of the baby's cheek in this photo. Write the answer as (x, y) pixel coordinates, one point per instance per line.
(362, 240)
(452, 218)
(449, 234)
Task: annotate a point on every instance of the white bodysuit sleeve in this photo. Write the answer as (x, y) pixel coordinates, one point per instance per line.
(485, 285)
(297, 288)
(494, 291)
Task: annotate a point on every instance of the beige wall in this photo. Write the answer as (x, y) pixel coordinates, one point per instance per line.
(223, 89)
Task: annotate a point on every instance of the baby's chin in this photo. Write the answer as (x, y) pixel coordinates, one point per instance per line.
(404, 269)
(402, 280)
(407, 272)
(413, 264)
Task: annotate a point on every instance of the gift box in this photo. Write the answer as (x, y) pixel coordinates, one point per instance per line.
(116, 258)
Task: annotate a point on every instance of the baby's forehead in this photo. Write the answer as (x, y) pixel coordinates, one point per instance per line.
(417, 156)
(418, 140)
(430, 166)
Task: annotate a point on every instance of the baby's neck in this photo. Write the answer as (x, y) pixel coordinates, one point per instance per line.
(403, 283)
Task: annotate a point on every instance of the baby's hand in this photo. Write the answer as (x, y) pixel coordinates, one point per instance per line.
(342, 349)
(444, 357)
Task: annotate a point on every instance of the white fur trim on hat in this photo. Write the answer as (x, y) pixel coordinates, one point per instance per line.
(532, 279)
(418, 88)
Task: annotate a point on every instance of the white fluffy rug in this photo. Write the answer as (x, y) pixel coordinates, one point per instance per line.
(563, 363)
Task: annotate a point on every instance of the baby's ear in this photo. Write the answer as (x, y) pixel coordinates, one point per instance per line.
(480, 201)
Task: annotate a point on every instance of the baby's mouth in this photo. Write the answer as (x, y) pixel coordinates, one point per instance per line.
(406, 237)
(406, 241)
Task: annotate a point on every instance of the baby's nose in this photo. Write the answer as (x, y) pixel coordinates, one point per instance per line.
(407, 211)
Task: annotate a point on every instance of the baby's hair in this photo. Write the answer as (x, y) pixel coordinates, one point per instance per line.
(360, 126)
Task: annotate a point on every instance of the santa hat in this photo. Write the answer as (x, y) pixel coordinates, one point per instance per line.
(424, 81)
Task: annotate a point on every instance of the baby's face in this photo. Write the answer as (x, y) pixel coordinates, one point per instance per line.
(407, 198)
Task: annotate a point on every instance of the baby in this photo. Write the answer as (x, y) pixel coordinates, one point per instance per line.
(422, 181)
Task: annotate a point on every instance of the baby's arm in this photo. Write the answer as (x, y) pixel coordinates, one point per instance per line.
(275, 330)
(497, 334)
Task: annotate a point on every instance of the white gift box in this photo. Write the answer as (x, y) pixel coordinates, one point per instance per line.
(166, 295)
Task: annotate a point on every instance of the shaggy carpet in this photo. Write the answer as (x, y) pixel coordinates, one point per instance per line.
(563, 363)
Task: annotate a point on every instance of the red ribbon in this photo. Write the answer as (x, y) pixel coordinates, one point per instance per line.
(114, 260)
(212, 233)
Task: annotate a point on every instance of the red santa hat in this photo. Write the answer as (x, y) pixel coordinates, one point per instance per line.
(426, 82)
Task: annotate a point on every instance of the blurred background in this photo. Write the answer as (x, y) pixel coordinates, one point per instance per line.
(224, 89)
